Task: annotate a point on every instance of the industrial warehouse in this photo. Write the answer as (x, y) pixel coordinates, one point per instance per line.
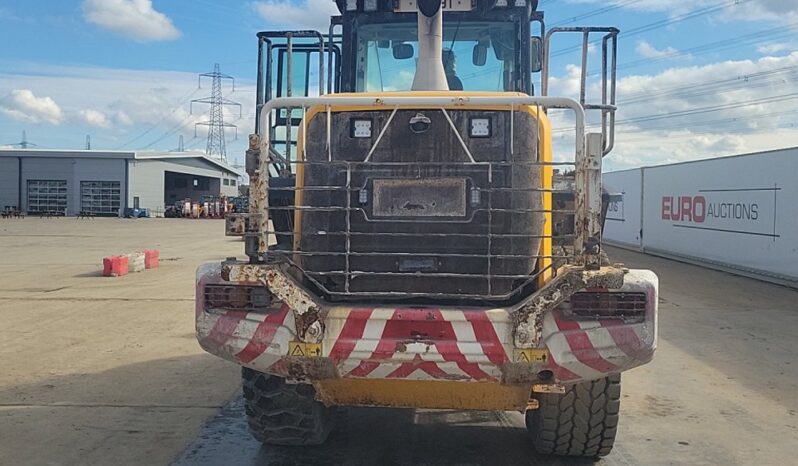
(105, 183)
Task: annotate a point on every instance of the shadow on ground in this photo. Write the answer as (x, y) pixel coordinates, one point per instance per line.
(377, 436)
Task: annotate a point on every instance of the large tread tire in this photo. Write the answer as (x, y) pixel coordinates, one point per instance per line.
(581, 422)
(279, 413)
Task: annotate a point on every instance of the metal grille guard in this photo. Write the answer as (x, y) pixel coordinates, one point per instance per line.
(579, 247)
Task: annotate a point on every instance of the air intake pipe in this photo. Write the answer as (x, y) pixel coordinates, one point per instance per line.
(430, 75)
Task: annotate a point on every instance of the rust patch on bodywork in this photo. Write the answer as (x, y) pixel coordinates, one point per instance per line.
(528, 318)
(307, 312)
(515, 373)
(306, 370)
(234, 225)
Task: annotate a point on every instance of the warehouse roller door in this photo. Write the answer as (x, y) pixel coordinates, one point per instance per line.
(47, 196)
(101, 197)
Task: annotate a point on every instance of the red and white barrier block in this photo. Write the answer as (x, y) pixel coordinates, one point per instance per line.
(151, 258)
(117, 266)
(135, 261)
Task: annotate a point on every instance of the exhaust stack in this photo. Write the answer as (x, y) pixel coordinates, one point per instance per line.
(430, 75)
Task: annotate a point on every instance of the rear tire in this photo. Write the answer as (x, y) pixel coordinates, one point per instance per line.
(284, 414)
(581, 422)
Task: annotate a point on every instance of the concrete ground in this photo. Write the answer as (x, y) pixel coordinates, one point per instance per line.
(96, 370)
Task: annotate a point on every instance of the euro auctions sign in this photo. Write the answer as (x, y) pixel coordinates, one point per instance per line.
(749, 211)
(738, 212)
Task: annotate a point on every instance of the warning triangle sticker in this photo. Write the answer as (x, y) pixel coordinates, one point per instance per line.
(297, 351)
(522, 357)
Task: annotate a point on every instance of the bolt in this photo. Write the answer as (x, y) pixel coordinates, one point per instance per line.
(313, 330)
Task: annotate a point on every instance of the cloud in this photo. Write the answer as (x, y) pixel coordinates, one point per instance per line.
(783, 11)
(135, 19)
(717, 109)
(23, 105)
(94, 118)
(769, 49)
(6, 14)
(143, 108)
(691, 112)
(308, 14)
(649, 51)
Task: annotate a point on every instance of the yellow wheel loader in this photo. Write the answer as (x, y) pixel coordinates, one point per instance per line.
(416, 239)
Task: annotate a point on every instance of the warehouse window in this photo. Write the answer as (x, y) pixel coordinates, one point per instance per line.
(232, 182)
(100, 197)
(226, 182)
(47, 196)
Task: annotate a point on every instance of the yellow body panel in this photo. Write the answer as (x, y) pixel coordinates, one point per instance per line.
(544, 151)
(402, 393)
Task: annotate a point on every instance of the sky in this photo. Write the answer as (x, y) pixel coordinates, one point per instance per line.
(696, 79)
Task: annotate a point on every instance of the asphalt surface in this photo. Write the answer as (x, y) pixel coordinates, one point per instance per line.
(723, 389)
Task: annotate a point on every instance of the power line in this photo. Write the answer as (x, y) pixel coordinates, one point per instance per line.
(596, 12)
(722, 121)
(182, 101)
(677, 91)
(714, 108)
(170, 132)
(692, 134)
(713, 90)
(638, 30)
(661, 23)
(773, 33)
(696, 111)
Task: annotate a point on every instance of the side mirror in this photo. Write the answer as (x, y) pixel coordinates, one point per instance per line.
(402, 51)
(536, 51)
(480, 55)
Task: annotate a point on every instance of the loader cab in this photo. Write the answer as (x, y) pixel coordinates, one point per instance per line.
(372, 47)
(342, 179)
(488, 45)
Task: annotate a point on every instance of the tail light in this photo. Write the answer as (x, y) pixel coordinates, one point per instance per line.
(630, 306)
(250, 298)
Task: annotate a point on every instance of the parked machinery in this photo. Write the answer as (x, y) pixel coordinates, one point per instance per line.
(405, 245)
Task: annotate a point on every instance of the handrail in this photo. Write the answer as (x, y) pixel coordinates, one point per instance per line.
(587, 193)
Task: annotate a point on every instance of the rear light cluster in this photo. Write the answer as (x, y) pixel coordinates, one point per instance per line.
(630, 306)
(250, 298)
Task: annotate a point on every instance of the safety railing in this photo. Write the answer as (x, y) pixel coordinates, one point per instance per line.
(354, 232)
(609, 63)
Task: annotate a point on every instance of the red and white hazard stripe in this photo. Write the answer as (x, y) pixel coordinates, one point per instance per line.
(417, 343)
(424, 343)
(249, 338)
(591, 349)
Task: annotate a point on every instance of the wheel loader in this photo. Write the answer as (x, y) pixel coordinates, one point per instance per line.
(416, 237)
